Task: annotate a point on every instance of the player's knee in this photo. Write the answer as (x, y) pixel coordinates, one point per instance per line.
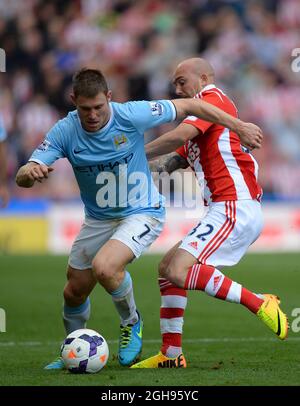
(102, 268)
(73, 295)
(174, 274)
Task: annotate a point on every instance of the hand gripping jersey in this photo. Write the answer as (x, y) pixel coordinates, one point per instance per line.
(216, 155)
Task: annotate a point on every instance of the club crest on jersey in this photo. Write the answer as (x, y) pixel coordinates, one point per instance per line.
(120, 141)
(156, 108)
(44, 146)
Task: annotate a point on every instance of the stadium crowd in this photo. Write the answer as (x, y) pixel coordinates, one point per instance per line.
(137, 44)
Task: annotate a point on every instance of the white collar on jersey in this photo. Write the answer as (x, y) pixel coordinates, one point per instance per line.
(208, 87)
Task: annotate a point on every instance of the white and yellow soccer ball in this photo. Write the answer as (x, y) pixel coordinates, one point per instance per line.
(84, 351)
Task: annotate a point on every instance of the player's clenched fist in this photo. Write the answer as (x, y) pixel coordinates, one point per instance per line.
(251, 135)
(32, 172)
(39, 172)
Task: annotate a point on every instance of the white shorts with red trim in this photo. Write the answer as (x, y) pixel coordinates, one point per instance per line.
(225, 233)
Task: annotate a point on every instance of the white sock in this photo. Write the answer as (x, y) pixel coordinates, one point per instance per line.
(76, 317)
(124, 301)
(173, 352)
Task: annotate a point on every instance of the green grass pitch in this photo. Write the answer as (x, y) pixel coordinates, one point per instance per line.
(224, 343)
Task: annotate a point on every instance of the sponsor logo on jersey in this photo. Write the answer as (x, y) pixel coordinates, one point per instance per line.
(112, 166)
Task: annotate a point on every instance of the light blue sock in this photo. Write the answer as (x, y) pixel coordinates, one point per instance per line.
(76, 317)
(124, 301)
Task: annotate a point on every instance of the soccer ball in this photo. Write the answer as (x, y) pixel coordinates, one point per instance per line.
(84, 351)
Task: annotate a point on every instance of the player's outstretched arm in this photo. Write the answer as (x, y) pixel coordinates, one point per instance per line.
(250, 134)
(31, 172)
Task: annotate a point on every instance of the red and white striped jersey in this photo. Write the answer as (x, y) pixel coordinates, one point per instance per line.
(216, 155)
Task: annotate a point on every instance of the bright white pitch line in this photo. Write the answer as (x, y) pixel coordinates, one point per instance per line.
(154, 341)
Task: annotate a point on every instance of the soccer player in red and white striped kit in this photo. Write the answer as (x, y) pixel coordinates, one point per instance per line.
(233, 221)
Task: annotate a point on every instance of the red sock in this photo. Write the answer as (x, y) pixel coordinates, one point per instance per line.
(215, 283)
(173, 303)
(250, 300)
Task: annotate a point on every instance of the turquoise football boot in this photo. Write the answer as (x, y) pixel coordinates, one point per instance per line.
(56, 364)
(130, 343)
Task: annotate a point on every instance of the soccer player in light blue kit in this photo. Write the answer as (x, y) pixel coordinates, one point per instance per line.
(4, 194)
(124, 213)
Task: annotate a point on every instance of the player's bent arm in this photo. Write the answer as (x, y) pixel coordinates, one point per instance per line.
(207, 112)
(31, 172)
(250, 134)
(168, 163)
(171, 140)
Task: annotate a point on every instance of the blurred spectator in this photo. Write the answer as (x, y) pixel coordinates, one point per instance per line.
(137, 44)
(4, 194)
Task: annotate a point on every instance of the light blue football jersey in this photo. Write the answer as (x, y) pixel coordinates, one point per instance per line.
(2, 130)
(110, 165)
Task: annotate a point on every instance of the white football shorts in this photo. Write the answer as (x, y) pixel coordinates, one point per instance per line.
(225, 233)
(137, 231)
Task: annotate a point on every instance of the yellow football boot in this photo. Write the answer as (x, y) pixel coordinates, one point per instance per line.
(271, 314)
(161, 361)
